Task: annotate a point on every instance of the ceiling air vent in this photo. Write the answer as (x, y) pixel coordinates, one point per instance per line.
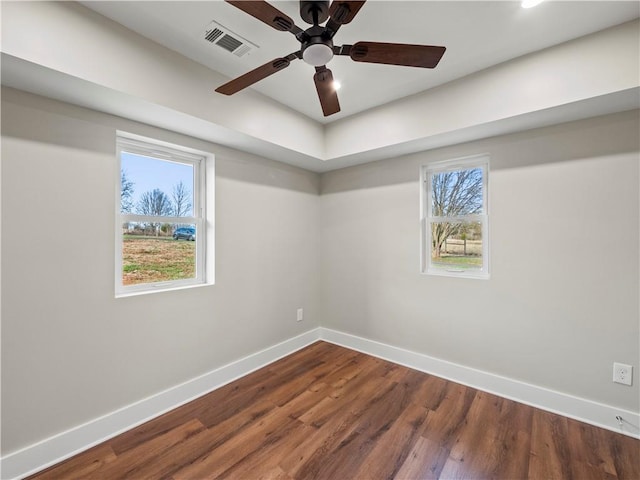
(232, 42)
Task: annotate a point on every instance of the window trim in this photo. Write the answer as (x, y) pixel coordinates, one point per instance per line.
(203, 163)
(426, 218)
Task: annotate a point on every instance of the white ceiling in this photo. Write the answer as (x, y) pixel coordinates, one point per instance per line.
(477, 35)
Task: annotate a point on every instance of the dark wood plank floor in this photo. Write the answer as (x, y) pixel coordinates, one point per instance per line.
(326, 412)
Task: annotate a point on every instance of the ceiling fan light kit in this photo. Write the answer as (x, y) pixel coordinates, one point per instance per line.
(317, 54)
(317, 48)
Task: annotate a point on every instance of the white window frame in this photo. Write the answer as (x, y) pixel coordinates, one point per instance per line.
(201, 162)
(427, 219)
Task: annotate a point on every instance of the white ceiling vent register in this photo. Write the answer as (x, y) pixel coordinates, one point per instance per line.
(232, 42)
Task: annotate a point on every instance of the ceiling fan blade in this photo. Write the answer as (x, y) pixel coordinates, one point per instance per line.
(343, 11)
(266, 13)
(425, 56)
(256, 75)
(323, 79)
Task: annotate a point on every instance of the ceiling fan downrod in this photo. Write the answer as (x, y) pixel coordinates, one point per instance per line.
(314, 12)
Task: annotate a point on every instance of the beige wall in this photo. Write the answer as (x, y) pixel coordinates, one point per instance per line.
(562, 301)
(70, 350)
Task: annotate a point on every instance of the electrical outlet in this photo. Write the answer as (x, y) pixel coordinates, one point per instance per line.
(300, 315)
(622, 373)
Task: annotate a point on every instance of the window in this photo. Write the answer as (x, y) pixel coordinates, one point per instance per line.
(161, 235)
(455, 218)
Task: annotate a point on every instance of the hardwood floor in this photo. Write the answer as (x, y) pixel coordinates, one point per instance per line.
(326, 412)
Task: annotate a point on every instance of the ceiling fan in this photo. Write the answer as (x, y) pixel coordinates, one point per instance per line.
(317, 47)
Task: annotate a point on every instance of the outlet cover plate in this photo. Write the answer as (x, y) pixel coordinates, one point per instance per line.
(622, 373)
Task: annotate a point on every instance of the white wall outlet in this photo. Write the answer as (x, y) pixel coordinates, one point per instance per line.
(622, 373)
(300, 315)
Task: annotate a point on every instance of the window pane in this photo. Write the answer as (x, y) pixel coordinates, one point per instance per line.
(456, 246)
(157, 252)
(456, 193)
(152, 186)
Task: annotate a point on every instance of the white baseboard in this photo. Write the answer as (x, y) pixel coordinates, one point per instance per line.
(66, 444)
(71, 442)
(581, 409)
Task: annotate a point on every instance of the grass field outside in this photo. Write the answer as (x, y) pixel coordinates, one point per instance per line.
(156, 259)
(458, 261)
(460, 254)
(147, 259)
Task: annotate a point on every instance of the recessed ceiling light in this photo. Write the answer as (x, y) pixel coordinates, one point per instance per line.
(530, 3)
(336, 85)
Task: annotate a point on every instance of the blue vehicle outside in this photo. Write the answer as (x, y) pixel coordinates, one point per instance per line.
(187, 233)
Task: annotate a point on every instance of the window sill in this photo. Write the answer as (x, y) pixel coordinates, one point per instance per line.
(457, 274)
(161, 289)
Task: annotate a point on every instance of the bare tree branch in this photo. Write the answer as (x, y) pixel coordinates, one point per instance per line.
(126, 193)
(454, 194)
(154, 202)
(181, 200)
